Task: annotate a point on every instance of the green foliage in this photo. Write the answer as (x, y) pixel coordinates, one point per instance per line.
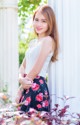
(26, 7)
(4, 89)
(22, 48)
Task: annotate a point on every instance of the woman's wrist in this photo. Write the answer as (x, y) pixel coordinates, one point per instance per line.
(28, 78)
(22, 78)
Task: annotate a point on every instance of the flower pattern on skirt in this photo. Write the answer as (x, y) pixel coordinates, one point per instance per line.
(35, 87)
(27, 101)
(37, 96)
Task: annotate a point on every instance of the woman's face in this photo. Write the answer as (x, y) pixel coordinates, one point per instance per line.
(40, 24)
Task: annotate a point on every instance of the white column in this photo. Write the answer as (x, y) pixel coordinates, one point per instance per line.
(9, 46)
(64, 75)
(56, 74)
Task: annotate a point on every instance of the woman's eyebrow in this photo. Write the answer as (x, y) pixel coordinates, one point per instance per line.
(43, 19)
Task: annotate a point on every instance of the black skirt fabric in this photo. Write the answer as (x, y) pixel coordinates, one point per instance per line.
(37, 96)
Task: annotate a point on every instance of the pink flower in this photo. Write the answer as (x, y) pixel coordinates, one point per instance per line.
(39, 106)
(45, 103)
(39, 97)
(27, 101)
(35, 87)
(41, 81)
(38, 77)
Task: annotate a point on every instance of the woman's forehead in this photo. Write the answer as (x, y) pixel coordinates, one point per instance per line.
(40, 15)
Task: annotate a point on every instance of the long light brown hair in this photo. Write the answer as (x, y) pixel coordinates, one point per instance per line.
(52, 31)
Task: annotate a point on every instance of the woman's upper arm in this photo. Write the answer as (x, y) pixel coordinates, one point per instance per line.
(24, 63)
(22, 67)
(46, 48)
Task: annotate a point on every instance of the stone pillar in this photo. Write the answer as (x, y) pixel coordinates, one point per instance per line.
(9, 46)
(56, 80)
(64, 75)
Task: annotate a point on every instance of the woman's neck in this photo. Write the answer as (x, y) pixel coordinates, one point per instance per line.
(41, 37)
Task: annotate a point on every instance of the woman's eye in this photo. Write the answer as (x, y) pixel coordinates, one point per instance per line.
(44, 21)
(36, 19)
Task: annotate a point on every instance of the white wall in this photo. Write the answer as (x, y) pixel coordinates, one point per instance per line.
(64, 76)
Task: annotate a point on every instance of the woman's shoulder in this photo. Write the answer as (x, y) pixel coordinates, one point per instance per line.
(48, 41)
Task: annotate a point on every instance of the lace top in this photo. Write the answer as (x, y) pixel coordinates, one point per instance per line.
(31, 56)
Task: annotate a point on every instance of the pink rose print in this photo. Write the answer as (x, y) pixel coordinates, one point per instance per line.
(45, 103)
(27, 101)
(41, 81)
(39, 106)
(35, 87)
(38, 77)
(39, 97)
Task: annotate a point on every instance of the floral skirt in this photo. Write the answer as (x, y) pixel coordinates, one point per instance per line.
(37, 96)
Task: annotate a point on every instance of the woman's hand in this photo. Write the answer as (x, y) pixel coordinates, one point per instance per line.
(19, 94)
(25, 82)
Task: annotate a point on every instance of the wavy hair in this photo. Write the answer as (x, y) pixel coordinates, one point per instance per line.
(52, 31)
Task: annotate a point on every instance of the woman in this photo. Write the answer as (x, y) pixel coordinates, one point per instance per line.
(44, 49)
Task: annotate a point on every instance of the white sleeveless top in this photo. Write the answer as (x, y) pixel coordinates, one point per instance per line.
(31, 56)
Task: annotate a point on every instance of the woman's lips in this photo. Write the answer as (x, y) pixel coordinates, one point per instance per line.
(38, 29)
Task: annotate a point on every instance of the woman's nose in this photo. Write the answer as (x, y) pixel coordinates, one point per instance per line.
(39, 23)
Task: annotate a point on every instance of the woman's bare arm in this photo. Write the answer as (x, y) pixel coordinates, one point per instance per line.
(22, 68)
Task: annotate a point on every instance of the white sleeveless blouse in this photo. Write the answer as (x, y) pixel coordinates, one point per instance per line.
(31, 57)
